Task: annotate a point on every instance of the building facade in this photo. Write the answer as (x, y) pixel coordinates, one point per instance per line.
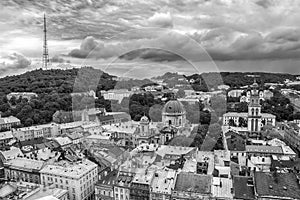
(77, 178)
(23, 169)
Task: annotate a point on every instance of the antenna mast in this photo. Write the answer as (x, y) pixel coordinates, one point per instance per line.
(45, 48)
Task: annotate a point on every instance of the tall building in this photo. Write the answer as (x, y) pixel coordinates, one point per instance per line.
(254, 111)
(78, 178)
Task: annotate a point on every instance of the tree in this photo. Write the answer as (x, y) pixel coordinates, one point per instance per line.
(241, 107)
(242, 122)
(155, 113)
(28, 122)
(13, 101)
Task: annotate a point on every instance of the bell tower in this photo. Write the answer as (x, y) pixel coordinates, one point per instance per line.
(254, 110)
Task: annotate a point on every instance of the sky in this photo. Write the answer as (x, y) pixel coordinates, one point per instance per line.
(147, 38)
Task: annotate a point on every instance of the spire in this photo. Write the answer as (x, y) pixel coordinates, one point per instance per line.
(45, 47)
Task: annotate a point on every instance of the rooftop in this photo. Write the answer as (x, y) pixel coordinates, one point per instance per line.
(26, 163)
(174, 150)
(6, 135)
(264, 149)
(190, 182)
(277, 184)
(242, 187)
(221, 187)
(98, 137)
(110, 178)
(62, 141)
(163, 181)
(123, 180)
(143, 176)
(67, 169)
(74, 135)
(206, 157)
(12, 153)
(8, 120)
(6, 190)
(43, 192)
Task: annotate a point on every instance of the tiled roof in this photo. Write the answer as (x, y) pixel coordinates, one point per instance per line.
(264, 149)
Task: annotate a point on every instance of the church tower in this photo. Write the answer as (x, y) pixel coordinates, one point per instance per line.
(144, 124)
(254, 110)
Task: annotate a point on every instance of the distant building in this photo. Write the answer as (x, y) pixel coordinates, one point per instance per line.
(90, 93)
(77, 178)
(263, 95)
(5, 137)
(38, 131)
(24, 95)
(223, 87)
(117, 95)
(235, 93)
(28, 133)
(7, 123)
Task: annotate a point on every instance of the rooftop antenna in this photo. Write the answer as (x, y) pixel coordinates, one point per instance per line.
(45, 47)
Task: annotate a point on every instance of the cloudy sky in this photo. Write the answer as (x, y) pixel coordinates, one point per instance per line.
(145, 38)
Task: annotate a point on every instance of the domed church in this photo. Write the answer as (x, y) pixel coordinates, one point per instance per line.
(173, 122)
(174, 114)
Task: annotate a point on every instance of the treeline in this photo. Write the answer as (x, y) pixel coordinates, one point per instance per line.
(206, 81)
(54, 88)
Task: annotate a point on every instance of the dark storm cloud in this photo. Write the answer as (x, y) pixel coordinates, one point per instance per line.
(157, 55)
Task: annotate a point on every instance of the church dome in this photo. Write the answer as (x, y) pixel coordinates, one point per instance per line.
(173, 107)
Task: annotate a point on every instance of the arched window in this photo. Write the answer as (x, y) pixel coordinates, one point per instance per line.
(170, 122)
(252, 111)
(256, 111)
(179, 121)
